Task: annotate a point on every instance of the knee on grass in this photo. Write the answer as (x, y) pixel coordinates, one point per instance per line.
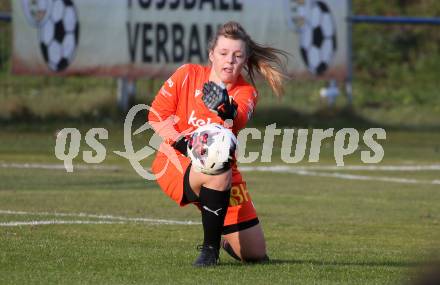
(260, 259)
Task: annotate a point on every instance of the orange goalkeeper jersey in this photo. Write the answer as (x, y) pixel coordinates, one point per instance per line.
(178, 106)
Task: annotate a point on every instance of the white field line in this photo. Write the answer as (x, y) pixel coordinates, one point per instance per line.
(107, 218)
(421, 167)
(280, 168)
(57, 222)
(55, 166)
(304, 172)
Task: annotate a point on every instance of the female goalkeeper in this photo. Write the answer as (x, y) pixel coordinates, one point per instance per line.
(193, 97)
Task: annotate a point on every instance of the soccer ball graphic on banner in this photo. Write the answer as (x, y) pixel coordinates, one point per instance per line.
(318, 38)
(212, 148)
(59, 35)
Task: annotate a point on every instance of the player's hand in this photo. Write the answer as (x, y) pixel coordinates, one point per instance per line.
(217, 100)
(181, 145)
(214, 95)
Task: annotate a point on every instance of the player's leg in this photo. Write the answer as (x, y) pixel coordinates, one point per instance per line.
(209, 192)
(219, 182)
(213, 192)
(248, 245)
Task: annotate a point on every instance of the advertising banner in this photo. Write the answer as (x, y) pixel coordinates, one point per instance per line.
(151, 38)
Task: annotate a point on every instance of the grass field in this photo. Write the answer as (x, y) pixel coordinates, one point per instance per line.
(351, 225)
(109, 226)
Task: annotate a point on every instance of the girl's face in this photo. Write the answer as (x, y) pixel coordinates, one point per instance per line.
(228, 58)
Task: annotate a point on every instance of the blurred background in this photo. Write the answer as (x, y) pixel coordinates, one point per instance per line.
(396, 70)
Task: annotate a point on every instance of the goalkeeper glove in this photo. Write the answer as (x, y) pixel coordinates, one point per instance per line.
(181, 145)
(216, 98)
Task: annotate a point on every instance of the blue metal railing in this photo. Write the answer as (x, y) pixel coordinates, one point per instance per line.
(5, 16)
(395, 20)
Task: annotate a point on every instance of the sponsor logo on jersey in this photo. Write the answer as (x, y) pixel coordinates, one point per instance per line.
(170, 83)
(196, 122)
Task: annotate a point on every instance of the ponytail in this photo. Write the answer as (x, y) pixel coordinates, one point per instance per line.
(266, 61)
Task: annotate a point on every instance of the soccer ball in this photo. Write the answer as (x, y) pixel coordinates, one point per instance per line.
(318, 38)
(212, 148)
(59, 35)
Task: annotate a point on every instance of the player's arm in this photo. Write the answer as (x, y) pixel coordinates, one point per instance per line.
(246, 100)
(162, 116)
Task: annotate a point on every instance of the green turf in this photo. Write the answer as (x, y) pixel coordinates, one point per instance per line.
(319, 230)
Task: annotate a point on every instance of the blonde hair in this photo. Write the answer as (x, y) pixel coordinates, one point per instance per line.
(260, 59)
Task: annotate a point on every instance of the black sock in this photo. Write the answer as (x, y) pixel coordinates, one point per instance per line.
(214, 205)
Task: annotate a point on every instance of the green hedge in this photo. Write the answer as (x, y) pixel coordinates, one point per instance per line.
(397, 64)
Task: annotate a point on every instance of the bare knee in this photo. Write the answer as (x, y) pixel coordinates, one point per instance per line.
(255, 254)
(256, 258)
(219, 182)
(249, 244)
